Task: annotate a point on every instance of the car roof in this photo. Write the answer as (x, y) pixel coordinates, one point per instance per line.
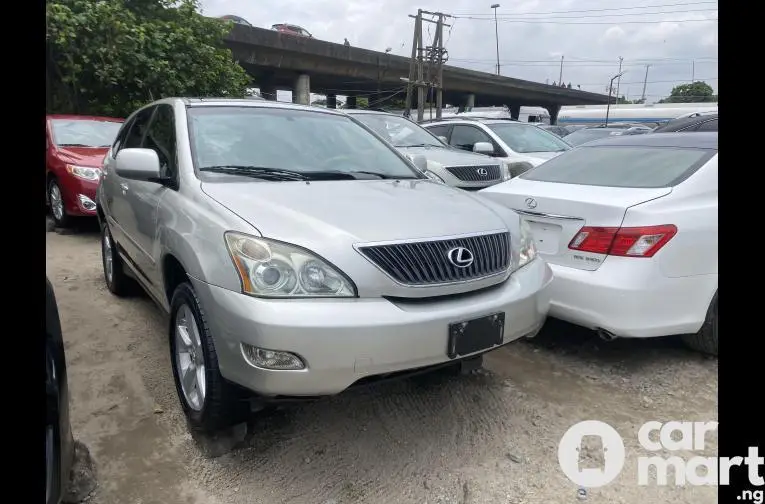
(697, 140)
(74, 117)
(368, 111)
(253, 101)
(480, 120)
(684, 122)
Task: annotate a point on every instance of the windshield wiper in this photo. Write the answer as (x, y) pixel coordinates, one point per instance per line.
(419, 145)
(379, 175)
(75, 145)
(265, 172)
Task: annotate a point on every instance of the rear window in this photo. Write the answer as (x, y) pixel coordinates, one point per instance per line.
(620, 166)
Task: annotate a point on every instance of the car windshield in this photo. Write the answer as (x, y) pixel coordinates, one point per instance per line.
(621, 166)
(524, 138)
(399, 131)
(582, 136)
(84, 132)
(256, 140)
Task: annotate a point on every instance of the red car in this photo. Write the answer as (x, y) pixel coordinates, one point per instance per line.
(74, 152)
(291, 30)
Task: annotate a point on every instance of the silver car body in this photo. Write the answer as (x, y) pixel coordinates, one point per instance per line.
(455, 167)
(388, 326)
(484, 131)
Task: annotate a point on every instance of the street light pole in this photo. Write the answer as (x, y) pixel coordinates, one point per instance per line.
(611, 87)
(496, 32)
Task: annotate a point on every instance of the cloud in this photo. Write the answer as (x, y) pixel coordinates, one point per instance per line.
(677, 41)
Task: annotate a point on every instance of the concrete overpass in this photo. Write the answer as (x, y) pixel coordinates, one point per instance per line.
(303, 65)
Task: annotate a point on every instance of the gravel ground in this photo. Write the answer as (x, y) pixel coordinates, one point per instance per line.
(486, 438)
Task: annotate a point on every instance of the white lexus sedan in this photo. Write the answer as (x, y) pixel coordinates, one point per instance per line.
(629, 226)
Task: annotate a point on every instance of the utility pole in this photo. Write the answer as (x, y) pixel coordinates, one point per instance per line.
(436, 56)
(619, 81)
(496, 32)
(693, 71)
(645, 82)
(560, 79)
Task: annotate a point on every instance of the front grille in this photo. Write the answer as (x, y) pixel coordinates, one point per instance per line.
(471, 173)
(428, 263)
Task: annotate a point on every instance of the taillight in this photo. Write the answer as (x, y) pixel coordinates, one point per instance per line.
(642, 241)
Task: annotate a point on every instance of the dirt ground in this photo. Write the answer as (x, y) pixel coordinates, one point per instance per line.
(488, 438)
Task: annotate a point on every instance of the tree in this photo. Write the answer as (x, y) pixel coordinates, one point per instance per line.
(696, 92)
(110, 57)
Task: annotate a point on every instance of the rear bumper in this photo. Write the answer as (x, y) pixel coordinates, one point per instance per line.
(631, 298)
(344, 340)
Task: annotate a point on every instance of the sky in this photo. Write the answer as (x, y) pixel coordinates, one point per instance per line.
(676, 38)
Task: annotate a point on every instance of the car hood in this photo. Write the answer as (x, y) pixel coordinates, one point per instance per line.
(83, 156)
(318, 213)
(447, 157)
(537, 158)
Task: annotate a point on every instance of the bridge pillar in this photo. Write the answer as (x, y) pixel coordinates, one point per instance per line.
(553, 110)
(332, 101)
(469, 103)
(267, 91)
(301, 92)
(350, 102)
(515, 111)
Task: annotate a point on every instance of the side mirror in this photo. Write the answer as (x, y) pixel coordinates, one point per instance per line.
(421, 162)
(138, 164)
(483, 148)
(443, 139)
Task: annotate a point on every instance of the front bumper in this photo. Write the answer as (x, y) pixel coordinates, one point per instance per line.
(344, 340)
(78, 195)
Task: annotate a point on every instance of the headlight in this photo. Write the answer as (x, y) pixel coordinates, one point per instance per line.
(84, 172)
(434, 177)
(268, 268)
(528, 251)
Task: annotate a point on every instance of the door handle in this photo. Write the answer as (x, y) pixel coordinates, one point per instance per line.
(124, 187)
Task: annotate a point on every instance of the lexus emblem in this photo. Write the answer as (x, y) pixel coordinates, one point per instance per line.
(531, 202)
(482, 172)
(460, 257)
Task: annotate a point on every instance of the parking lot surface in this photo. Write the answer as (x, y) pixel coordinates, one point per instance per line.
(491, 437)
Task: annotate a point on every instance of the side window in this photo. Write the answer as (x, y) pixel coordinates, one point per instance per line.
(464, 137)
(160, 137)
(121, 137)
(442, 131)
(137, 130)
(708, 126)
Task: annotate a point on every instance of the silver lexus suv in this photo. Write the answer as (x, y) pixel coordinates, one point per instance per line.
(452, 166)
(296, 253)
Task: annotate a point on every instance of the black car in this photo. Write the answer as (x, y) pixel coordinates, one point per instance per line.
(59, 442)
(696, 122)
(585, 135)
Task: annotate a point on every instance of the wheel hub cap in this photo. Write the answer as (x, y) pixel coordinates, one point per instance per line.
(190, 358)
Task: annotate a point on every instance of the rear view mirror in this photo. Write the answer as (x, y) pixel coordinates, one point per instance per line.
(483, 148)
(443, 139)
(421, 162)
(138, 164)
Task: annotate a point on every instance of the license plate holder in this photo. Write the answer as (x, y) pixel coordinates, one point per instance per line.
(470, 336)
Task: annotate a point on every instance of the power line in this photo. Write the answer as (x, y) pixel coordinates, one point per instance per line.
(526, 21)
(580, 64)
(518, 16)
(594, 10)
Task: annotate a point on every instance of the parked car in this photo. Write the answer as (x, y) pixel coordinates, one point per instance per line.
(696, 122)
(297, 253)
(629, 227)
(236, 20)
(521, 145)
(444, 163)
(291, 29)
(59, 442)
(74, 151)
(585, 135)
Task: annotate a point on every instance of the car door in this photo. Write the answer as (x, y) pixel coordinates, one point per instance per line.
(117, 190)
(143, 197)
(465, 136)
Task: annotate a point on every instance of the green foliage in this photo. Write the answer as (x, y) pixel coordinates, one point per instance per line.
(696, 92)
(110, 57)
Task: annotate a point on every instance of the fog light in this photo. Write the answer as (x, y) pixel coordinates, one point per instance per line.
(271, 359)
(87, 203)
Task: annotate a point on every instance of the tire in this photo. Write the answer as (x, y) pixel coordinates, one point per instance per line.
(117, 281)
(56, 203)
(705, 341)
(220, 404)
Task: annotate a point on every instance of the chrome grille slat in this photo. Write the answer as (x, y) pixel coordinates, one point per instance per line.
(426, 262)
(470, 173)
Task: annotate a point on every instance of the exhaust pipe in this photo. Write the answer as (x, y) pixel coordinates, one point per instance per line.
(605, 335)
